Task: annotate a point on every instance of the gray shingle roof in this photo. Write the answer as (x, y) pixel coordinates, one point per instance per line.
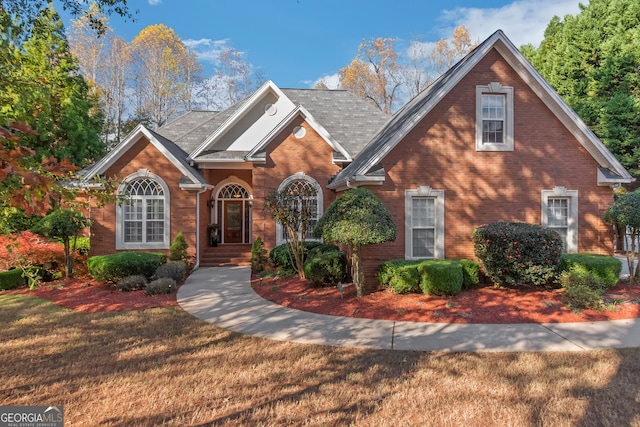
(181, 156)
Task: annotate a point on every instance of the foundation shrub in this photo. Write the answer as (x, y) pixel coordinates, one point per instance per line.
(470, 272)
(132, 283)
(11, 279)
(440, 277)
(326, 268)
(164, 285)
(178, 248)
(281, 254)
(606, 268)
(515, 253)
(258, 256)
(582, 289)
(175, 270)
(111, 268)
(400, 275)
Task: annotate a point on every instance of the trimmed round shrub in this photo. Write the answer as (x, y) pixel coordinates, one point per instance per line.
(514, 253)
(175, 270)
(470, 273)
(164, 285)
(132, 283)
(440, 277)
(320, 249)
(11, 279)
(606, 268)
(326, 268)
(111, 268)
(405, 279)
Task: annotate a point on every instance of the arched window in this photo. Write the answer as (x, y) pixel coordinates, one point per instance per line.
(308, 191)
(143, 217)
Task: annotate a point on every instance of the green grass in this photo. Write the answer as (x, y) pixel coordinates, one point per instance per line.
(163, 367)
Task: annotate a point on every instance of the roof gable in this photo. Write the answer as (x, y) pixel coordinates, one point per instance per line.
(250, 123)
(191, 179)
(368, 160)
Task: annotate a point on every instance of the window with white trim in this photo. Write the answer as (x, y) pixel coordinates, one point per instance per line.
(494, 117)
(304, 190)
(142, 219)
(424, 223)
(560, 213)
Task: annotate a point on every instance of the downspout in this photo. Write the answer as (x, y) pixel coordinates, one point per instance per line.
(198, 194)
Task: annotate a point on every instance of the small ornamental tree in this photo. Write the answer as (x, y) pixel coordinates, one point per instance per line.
(63, 224)
(294, 208)
(355, 219)
(178, 248)
(514, 253)
(624, 214)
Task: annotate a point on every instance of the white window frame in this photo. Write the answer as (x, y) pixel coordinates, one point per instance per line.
(120, 242)
(572, 216)
(438, 196)
(319, 203)
(495, 88)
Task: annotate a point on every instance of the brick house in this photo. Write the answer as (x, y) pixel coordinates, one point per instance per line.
(490, 140)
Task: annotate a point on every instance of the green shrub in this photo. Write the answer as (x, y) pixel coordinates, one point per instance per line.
(406, 279)
(606, 268)
(320, 249)
(83, 245)
(11, 279)
(470, 273)
(13, 220)
(440, 277)
(111, 268)
(178, 248)
(326, 268)
(175, 270)
(258, 256)
(388, 269)
(281, 254)
(516, 253)
(582, 289)
(132, 283)
(164, 285)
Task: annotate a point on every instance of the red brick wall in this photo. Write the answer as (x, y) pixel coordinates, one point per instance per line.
(182, 203)
(287, 155)
(482, 187)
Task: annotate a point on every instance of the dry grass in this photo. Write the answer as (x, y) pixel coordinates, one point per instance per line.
(162, 367)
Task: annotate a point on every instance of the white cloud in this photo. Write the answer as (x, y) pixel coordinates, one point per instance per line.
(522, 21)
(207, 50)
(332, 81)
(155, 2)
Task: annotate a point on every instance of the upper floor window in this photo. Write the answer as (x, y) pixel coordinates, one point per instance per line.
(494, 118)
(142, 219)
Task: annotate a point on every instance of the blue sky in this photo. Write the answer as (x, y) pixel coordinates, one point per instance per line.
(295, 43)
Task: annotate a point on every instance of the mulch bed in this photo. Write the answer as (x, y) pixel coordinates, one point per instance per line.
(485, 304)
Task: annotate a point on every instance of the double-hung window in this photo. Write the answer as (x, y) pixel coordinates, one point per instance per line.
(304, 196)
(424, 223)
(494, 117)
(560, 213)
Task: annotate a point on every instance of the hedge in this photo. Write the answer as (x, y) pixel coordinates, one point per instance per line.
(111, 268)
(404, 276)
(326, 268)
(606, 268)
(440, 277)
(11, 279)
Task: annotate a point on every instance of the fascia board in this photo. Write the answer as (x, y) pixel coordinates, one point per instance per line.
(235, 117)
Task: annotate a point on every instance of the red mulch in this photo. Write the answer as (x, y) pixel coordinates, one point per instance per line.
(484, 304)
(91, 296)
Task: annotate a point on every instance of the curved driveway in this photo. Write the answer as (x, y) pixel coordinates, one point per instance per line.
(223, 296)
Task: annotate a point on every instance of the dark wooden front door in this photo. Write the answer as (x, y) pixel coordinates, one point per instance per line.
(233, 222)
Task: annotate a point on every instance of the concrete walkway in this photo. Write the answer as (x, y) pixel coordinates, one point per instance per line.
(223, 296)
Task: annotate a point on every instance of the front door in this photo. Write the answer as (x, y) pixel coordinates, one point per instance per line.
(233, 221)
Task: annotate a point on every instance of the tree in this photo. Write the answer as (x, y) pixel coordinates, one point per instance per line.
(27, 11)
(374, 74)
(294, 209)
(63, 224)
(624, 213)
(355, 219)
(163, 71)
(592, 60)
(46, 92)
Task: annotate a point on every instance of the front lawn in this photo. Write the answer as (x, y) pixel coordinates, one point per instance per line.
(163, 367)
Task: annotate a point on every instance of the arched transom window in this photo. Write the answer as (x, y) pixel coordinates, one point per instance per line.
(143, 216)
(233, 191)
